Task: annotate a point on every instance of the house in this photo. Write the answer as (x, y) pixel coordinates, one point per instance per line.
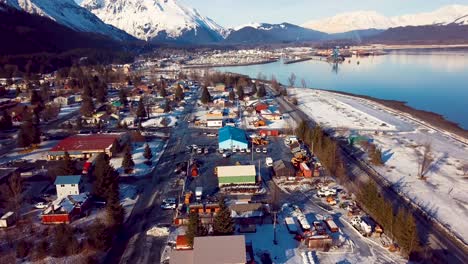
(213, 250)
(259, 107)
(283, 168)
(68, 185)
(85, 146)
(232, 138)
(64, 100)
(240, 174)
(65, 210)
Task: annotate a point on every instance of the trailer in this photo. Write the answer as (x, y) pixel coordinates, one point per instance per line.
(198, 193)
(331, 225)
(8, 219)
(89, 164)
(291, 225)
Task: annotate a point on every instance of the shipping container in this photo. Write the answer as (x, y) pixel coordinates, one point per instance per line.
(331, 225)
(273, 133)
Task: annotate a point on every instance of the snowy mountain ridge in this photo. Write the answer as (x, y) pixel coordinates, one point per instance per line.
(373, 20)
(156, 19)
(68, 13)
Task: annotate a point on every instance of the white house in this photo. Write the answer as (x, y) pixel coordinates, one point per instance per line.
(68, 185)
(64, 100)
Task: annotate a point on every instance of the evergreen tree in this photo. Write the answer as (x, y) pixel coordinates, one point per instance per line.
(254, 89)
(179, 94)
(99, 236)
(87, 92)
(5, 121)
(261, 91)
(123, 97)
(127, 162)
(67, 166)
(162, 92)
(141, 110)
(232, 96)
(114, 210)
(148, 154)
(206, 96)
(194, 228)
(64, 242)
(105, 178)
(240, 92)
(87, 107)
(223, 223)
(167, 107)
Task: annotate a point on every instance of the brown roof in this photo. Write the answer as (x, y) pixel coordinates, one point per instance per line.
(220, 249)
(240, 208)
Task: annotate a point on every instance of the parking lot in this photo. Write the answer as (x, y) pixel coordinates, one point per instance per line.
(276, 149)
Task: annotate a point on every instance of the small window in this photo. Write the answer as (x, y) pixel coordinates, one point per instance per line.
(63, 185)
(73, 185)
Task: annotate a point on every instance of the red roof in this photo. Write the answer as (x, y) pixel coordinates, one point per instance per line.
(86, 142)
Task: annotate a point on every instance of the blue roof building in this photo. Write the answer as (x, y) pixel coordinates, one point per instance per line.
(232, 138)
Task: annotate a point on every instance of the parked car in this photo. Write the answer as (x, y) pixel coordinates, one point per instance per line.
(40, 205)
(206, 151)
(226, 154)
(242, 150)
(199, 150)
(221, 151)
(248, 150)
(258, 150)
(169, 204)
(234, 150)
(264, 150)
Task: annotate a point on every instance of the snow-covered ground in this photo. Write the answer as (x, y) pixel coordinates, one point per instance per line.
(443, 194)
(128, 198)
(38, 154)
(156, 121)
(140, 169)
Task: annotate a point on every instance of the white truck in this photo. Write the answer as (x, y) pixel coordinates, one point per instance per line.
(269, 161)
(198, 193)
(361, 225)
(325, 191)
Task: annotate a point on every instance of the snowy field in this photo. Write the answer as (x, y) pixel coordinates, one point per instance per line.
(443, 194)
(156, 121)
(140, 169)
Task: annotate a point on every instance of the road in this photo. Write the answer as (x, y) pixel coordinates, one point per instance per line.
(132, 245)
(439, 243)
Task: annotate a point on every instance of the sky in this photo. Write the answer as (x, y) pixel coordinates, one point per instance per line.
(230, 13)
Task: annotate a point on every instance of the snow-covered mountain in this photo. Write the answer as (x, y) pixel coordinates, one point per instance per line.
(70, 14)
(370, 19)
(157, 20)
(272, 33)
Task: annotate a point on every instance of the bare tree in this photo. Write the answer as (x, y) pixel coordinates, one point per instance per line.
(292, 80)
(425, 161)
(274, 83)
(12, 192)
(304, 83)
(465, 169)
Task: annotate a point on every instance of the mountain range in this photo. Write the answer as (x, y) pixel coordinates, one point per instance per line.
(372, 20)
(168, 21)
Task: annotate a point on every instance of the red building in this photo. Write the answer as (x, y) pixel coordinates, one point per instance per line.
(85, 146)
(65, 210)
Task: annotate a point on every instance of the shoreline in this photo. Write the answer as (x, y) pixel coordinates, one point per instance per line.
(433, 119)
(228, 65)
